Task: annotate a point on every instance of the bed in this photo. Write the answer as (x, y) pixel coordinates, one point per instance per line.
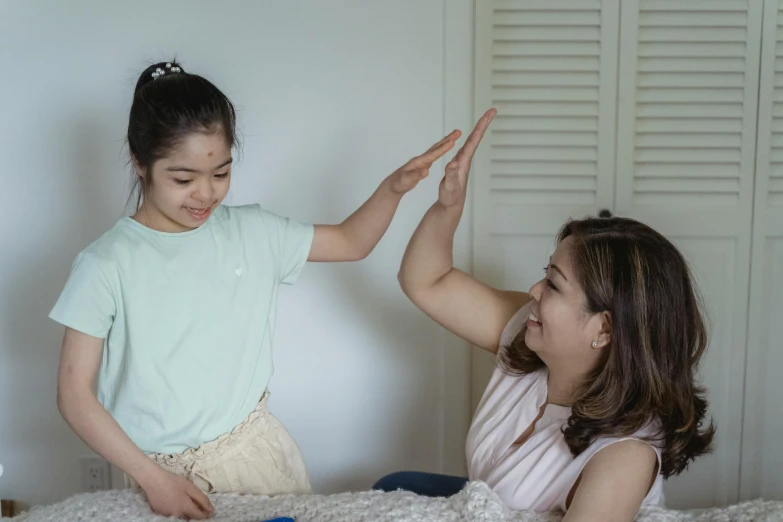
(475, 503)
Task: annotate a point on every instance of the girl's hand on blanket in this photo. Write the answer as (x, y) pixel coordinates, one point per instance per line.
(174, 496)
(408, 176)
(454, 183)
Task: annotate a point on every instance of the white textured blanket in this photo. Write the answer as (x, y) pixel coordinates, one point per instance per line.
(475, 503)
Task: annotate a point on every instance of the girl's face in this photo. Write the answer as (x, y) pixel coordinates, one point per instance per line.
(559, 328)
(187, 185)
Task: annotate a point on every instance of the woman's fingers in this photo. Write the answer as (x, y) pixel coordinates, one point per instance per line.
(465, 154)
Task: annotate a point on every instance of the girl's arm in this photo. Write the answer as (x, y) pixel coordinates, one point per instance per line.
(457, 301)
(356, 237)
(613, 484)
(79, 362)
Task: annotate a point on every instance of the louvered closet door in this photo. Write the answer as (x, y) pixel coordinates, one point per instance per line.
(685, 165)
(550, 68)
(762, 462)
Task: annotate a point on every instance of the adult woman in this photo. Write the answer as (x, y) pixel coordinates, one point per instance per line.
(593, 402)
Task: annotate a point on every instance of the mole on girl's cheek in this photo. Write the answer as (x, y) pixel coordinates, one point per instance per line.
(210, 154)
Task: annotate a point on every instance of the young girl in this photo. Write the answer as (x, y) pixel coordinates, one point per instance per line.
(593, 401)
(174, 307)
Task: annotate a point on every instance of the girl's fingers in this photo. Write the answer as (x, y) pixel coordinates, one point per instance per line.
(192, 512)
(452, 136)
(414, 176)
(200, 499)
(431, 156)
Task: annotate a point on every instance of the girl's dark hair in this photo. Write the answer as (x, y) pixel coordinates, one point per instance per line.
(658, 337)
(166, 108)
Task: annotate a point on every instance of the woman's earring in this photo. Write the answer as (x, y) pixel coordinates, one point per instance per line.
(595, 344)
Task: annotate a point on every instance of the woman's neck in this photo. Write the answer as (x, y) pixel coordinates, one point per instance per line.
(562, 385)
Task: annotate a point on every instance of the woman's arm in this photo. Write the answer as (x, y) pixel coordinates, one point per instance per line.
(472, 310)
(614, 483)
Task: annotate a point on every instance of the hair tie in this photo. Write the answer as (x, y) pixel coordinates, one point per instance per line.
(158, 72)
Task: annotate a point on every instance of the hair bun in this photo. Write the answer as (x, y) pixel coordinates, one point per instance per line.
(158, 70)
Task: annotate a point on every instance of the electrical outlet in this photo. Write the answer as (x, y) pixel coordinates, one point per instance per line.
(96, 474)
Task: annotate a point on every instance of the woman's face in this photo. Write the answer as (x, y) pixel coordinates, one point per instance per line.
(559, 328)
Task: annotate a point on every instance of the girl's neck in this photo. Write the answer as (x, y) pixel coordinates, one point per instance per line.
(152, 218)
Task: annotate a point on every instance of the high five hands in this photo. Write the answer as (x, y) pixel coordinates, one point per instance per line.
(454, 183)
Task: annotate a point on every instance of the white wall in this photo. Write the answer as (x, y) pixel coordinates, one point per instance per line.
(332, 97)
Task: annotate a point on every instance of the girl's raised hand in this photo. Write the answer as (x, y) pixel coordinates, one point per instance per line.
(408, 176)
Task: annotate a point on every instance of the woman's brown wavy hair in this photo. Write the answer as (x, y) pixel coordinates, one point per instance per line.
(658, 337)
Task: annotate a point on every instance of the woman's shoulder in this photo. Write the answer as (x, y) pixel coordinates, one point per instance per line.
(650, 433)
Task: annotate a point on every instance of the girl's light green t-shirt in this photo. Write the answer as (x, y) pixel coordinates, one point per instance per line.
(187, 320)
